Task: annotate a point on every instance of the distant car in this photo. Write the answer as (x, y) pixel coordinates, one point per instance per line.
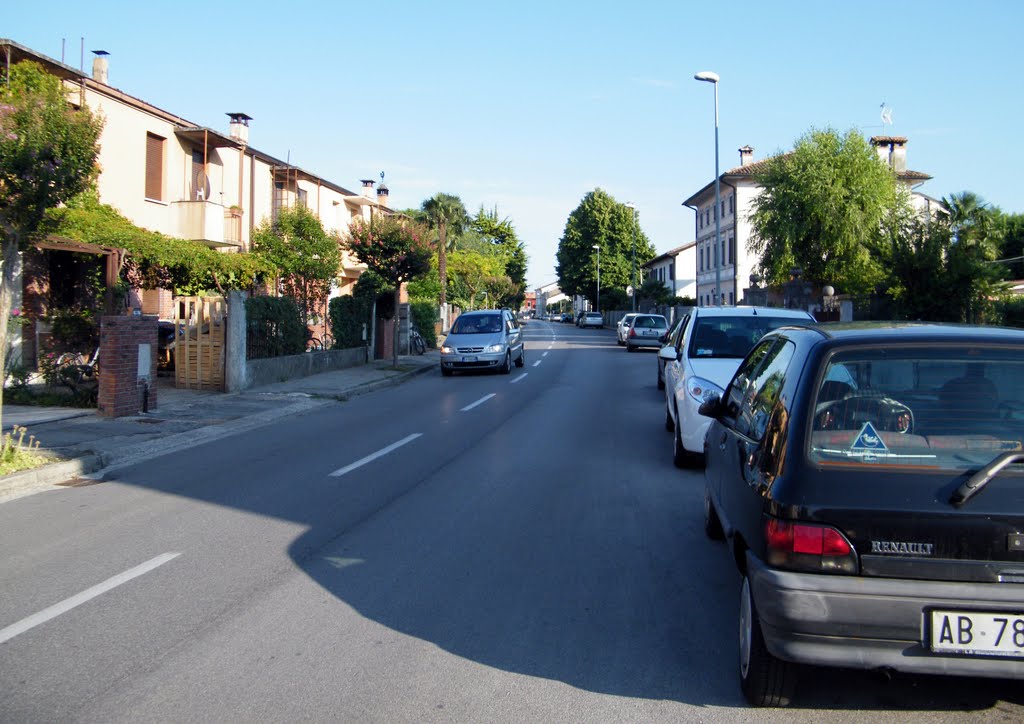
(592, 319)
(669, 339)
(647, 330)
(622, 328)
(710, 348)
(481, 340)
(870, 481)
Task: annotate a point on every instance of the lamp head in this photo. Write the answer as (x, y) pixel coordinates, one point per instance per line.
(707, 76)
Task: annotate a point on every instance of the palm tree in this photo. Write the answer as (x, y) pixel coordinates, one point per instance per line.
(445, 213)
(966, 210)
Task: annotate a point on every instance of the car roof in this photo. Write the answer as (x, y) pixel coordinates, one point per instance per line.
(752, 312)
(917, 332)
(476, 312)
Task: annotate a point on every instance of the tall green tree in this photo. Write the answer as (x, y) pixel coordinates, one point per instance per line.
(502, 235)
(306, 257)
(446, 214)
(48, 153)
(826, 207)
(601, 221)
(395, 249)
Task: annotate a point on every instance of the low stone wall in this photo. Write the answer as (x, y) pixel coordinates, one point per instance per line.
(279, 369)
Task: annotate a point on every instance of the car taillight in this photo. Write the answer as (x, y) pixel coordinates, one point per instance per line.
(806, 547)
(632, 332)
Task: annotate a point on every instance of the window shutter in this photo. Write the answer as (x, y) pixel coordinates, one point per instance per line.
(154, 167)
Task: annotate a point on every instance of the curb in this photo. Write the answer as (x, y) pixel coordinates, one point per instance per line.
(17, 485)
(381, 384)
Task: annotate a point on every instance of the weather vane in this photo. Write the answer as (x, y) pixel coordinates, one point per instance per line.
(886, 115)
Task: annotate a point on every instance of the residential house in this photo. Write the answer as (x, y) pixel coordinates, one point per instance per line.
(733, 264)
(189, 181)
(676, 269)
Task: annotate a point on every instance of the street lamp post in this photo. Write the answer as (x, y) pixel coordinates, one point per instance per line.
(598, 247)
(632, 279)
(709, 77)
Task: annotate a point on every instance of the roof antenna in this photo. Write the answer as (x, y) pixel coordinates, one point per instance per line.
(886, 115)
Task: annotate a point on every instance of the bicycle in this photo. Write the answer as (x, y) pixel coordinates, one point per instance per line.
(77, 373)
(416, 342)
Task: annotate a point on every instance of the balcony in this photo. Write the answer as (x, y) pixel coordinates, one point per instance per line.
(208, 222)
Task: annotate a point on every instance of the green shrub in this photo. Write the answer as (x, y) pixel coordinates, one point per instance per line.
(1011, 312)
(274, 328)
(424, 317)
(348, 316)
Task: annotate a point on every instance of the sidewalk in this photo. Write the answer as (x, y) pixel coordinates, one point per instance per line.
(82, 442)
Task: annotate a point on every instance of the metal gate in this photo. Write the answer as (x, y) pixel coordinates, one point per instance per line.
(199, 345)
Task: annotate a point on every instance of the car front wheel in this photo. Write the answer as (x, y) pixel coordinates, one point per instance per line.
(764, 679)
(521, 361)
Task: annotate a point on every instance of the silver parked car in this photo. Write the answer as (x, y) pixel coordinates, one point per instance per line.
(482, 340)
(591, 319)
(647, 330)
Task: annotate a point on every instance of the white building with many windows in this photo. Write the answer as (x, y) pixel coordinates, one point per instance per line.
(676, 269)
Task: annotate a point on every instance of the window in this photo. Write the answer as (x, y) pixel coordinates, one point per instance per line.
(723, 207)
(732, 249)
(672, 271)
(200, 181)
(301, 196)
(155, 167)
(278, 202)
(732, 204)
(702, 258)
(764, 389)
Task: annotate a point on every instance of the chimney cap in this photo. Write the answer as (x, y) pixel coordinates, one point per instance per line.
(239, 118)
(100, 53)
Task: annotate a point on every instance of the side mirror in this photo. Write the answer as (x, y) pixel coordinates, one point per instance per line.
(711, 407)
(668, 354)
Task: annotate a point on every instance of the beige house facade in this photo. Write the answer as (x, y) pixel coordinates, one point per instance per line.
(676, 269)
(173, 176)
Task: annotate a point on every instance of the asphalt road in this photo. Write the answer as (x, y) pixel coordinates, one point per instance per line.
(475, 548)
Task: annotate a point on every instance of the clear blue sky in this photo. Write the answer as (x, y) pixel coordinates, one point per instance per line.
(527, 106)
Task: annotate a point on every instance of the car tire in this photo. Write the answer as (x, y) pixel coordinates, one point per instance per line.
(630, 348)
(661, 378)
(712, 523)
(507, 366)
(446, 372)
(670, 424)
(764, 679)
(680, 458)
(521, 361)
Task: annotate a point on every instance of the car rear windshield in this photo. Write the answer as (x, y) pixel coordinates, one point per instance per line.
(732, 337)
(650, 323)
(477, 324)
(938, 406)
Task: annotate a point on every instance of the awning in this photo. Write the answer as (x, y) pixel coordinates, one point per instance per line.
(206, 137)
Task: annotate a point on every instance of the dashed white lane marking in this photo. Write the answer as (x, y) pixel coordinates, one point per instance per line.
(537, 362)
(543, 354)
(88, 594)
(370, 458)
(519, 378)
(481, 401)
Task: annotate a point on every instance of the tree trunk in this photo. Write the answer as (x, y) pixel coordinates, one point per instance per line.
(10, 265)
(442, 263)
(394, 354)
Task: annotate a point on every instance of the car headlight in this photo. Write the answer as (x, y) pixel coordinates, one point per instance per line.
(495, 348)
(445, 349)
(701, 389)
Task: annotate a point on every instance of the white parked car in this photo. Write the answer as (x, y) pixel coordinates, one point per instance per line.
(622, 328)
(707, 353)
(591, 319)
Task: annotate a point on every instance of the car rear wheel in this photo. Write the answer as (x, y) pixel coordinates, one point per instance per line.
(764, 679)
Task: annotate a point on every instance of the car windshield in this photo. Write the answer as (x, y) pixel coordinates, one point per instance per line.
(732, 337)
(919, 406)
(477, 324)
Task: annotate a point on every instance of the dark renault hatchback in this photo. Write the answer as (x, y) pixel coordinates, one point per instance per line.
(870, 482)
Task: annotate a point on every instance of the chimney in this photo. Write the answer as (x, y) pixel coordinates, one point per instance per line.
(367, 187)
(100, 67)
(892, 150)
(746, 156)
(238, 127)
(382, 192)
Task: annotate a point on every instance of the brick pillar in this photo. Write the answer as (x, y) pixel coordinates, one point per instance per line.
(123, 380)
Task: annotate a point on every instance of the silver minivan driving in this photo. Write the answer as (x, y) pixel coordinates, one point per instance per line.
(482, 340)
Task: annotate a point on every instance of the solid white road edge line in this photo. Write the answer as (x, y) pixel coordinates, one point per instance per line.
(373, 456)
(519, 378)
(481, 401)
(88, 594)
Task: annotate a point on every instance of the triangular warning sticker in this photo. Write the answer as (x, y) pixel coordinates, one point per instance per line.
(868, 439)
